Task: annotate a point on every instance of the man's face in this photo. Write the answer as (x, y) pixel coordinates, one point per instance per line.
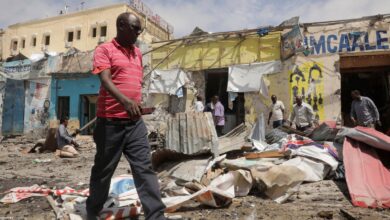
(354, 96)
(130, 30)
(273, 98)
(299, 101)
(66, 123)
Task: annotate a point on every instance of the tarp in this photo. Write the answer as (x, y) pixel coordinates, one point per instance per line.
(367, 178)
(278, 180)
(167, 81)
(366, 135)
(249, 77)
(314, 171)
(327, 131)
(219, 193)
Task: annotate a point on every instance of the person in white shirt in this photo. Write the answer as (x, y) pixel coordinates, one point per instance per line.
(276, 113)
(303, 115)
(199, 107)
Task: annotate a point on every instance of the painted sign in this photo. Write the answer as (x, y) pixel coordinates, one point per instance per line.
(348, 42)
(143, 8)
(17, 66)
(292, 42)
(307, 80)
(37, 105)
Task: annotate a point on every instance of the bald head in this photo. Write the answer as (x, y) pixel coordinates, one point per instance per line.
(128, 27)
(274, 99)
(298, 99)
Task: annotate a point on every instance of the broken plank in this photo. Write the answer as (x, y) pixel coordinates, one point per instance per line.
(267, 154)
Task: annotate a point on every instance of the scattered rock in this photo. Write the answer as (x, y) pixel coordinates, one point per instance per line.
(174, 217)
(325, 214)
(346, 214)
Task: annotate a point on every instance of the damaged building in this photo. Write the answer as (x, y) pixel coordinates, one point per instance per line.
(323, 62)
(228, 64)
(47, 71)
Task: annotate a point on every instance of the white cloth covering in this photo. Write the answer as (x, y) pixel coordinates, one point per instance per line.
(167, 81)
(249, 77)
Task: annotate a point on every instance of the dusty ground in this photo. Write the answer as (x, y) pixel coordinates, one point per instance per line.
(323, 200)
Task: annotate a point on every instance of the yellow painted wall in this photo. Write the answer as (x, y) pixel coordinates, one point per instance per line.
(58, 27)
(217, 52)
(328, 85)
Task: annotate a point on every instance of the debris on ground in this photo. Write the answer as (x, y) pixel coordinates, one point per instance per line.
(282, 169)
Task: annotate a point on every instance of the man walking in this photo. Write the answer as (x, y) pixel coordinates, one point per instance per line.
(277, 112)
(364, 111)
(119, 127)
(218, 115)
(303, 115)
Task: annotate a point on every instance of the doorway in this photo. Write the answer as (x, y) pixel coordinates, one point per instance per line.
(87, 112)
(216, 84)
(370, 74)
(13, 110)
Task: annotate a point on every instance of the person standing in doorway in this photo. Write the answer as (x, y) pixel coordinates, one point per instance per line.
(218, 115)
(276, 113)
(364, 111)
(119, 126)
(199, 107)
(303, 115)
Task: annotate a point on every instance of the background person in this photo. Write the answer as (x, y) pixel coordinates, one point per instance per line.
(199, 107)
(65, 142)
(302, 114)
(364, 111)
(276, 113)
(218, 115)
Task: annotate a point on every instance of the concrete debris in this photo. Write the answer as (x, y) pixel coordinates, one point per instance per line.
(325, 214)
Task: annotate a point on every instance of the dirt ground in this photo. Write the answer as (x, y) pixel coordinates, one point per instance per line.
(322, 200)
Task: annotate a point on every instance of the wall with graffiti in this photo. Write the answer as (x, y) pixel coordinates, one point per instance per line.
(36, 117)
(317, 80)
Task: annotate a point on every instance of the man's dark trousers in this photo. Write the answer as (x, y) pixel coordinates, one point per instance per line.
(113, 137)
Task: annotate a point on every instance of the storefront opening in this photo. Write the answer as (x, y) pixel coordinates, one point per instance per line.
(88, 111)
(216, 84)
(370, 74)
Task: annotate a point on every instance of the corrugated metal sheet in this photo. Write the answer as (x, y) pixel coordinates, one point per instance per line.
(233, 140)
(191, 133)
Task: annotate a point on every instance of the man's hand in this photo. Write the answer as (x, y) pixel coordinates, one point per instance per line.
(379, 123)
(132, 108)
(353, 121)
(75, 143)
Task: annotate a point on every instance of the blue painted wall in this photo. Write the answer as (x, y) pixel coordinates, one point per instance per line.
(72, 88)
(13, 110)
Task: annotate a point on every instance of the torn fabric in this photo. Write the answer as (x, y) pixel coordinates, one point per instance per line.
(219, 193)
(249, 77)
(167, 81)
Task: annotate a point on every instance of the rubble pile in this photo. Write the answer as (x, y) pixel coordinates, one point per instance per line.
(275, 166)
